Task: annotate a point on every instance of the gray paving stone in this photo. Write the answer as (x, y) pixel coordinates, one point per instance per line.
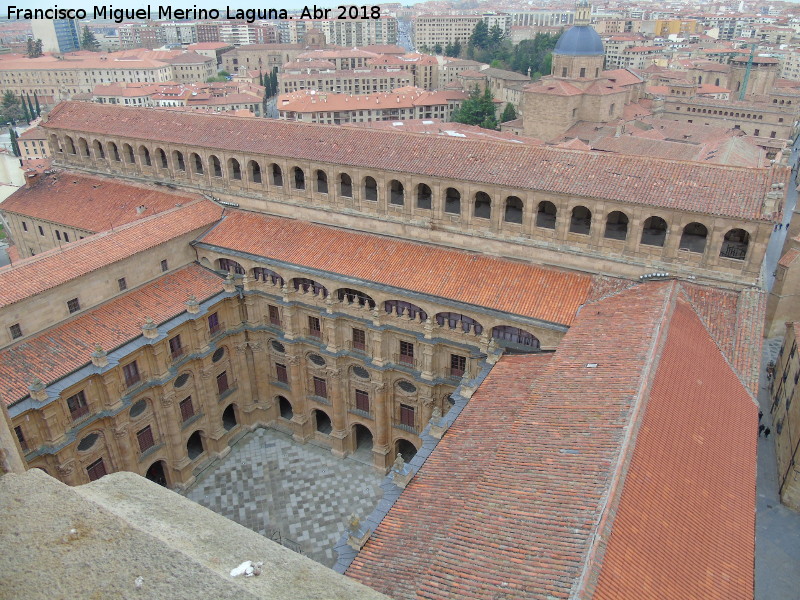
(299, 495)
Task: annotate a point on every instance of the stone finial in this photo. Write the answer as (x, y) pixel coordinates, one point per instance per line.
(149, 329)
(376, 316)
(399, 464)
(356, 538)
(229, 285)
(192, 305)
(437, 427)
(428, 328)
(99, 356)
(247, 283)
(329, 305)
(401, 473)
(353, 524)
(38, 390)
(285, 292)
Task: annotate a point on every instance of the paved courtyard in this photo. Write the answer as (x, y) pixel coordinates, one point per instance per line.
(297, 494)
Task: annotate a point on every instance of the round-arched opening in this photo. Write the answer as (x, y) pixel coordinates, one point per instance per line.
(654, 232)
(397, 194)
(694, 238)
(513, 210)
(352, 296)
(424, 196)
(405, 449)
(616, 225)
(254, 171)
(546, 215)
(266, 275)
(234, 169)
(113, 151)
(452, 201)
(197, 163)
(84, 147)
(452, 321)
(144, 156)
(194, 445)
(127, 152)
(735, 244)
(229, 265)
(285, 408)
(483, 205)
(229, 420)
(98, 149)
(301, 284)
(370, 189)
(345, 185)
(362, 437)
(581, 221)
(515, 335)
(156, 473)
(299, 178)
(162, 158)
(402, 308)
(322, 182)
(322, 422)
(276, 174)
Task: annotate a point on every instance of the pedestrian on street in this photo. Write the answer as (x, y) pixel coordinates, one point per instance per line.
(760, 414)
(767, 431)
(760, 430)
(776, 227)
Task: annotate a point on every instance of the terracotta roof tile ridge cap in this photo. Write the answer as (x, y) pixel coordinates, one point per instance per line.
(225, 214)
(607, 295)
(601, 533)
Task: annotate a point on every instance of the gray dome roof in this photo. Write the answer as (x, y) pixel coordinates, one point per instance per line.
(581, 40)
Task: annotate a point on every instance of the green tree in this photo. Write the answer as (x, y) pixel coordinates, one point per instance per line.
(535, 54)
(29, 106)
(274, 79)
(509, 114)
(37, 48)
(224, 74)
(25, 114)
(38, 108)
(438, 48)
(14, 142)
(496, 35)
(480, 35)
(33, 48)
(261, 79)
(456, 48)
(478, 109)
(89, 41)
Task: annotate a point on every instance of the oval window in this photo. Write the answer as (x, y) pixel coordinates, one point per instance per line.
(88, 441)
(407, 386)
(181, 380)
(218, 354)
(317, 360)
(359, 371)
(138, 408)
(278, 346)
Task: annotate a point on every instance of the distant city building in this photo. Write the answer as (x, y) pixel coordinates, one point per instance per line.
(57, 35)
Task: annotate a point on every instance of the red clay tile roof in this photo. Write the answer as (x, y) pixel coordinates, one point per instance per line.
(54, 267)
(685, 524)
(512, 509)
(505, 285)
(89, 202)
(712, 189)
(58, 351)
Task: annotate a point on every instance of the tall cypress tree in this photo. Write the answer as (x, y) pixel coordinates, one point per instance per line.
(38, 108)
(261, 79)
(25, 114)
(14, 143)
(31, 112)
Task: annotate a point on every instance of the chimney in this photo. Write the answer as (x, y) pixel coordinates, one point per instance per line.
(30, 179)
(140, 209)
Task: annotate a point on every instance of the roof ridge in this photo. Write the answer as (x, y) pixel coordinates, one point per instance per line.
(599, 538)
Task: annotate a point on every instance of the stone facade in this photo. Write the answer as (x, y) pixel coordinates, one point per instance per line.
(552, 228)
(786, 417)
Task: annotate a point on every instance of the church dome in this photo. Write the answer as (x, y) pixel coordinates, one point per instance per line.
(581, 40)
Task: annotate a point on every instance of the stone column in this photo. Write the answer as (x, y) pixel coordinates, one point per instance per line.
(303, 427)
(339, 419)
(381, 455)
(426, 360)
(126, 454)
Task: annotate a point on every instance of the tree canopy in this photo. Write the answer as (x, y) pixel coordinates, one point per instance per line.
(493, 47)
(478, 109)
(89, 41)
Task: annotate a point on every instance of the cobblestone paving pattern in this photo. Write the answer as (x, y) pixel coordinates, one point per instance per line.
(297, 494)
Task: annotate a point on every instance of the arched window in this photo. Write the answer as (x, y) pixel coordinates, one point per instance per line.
(84, 147)
(735, 244)
(452, 201)
(71, 145)
(694, 237)
(144, 156)
(301, 284)
(402, 308)
(581, 221)
(322, 182)
(397, 193)
(114, 152)
(285, 408)
(226, 264)
(322, 422)
(483, 205)
(515, 335)
(177, 160)
(370, 189)
(546, 215)
(403, 447)
(127, 151)
(234, 169)
(345, 185)
(229, 418)
(197, 163)
(654, 232)
(216, 166)
(262, 274)
(452, 320)
(616, 225)
(277, 175)
(513, 210)
(299, 178)
(54, 143)
(162, 158)
(355, 296)
(98, 149)
(424, 196)
(254, 170)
